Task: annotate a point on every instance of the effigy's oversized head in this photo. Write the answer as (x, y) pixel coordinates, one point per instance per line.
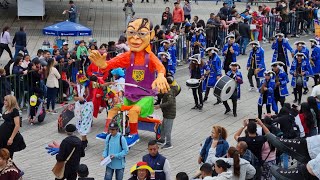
(139, 34)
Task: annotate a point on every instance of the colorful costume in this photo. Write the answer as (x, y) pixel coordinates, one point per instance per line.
(281, 52)
(230, 57)
(256, 61)
(94, 90)
(140, 64)
(198, 49)
(172, 59)
(281, 80)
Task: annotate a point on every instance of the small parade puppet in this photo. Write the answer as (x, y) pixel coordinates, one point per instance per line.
(281, 46)
(212, 72)
(315, 60)
(141, 65)
(281, 80)
(83, 110)
(255, 64)
(235, 74)
(267, 93)
(300, 69)
(230, 52)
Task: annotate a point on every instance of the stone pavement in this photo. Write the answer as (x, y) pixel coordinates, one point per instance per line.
(190, 129)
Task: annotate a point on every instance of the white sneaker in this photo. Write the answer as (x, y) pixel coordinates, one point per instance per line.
(251, 89)
(257, 89)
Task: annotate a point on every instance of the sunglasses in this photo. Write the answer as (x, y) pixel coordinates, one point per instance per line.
(138, 33)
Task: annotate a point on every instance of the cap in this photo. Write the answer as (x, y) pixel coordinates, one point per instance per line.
(58, 58)
(141, 165)
(76, 42)
(279, 34)
(230, 36)
(269, 73)
(314, 41)
(212, 49)
(165, 41)
(33, 100)
(300, 43)
(196, 58)
(118, 72)
(277, 63)
(65, 43)
(164, 54)
(300, 54)
(71, 128)
(113, 125)
(255, 42)
(235, 64)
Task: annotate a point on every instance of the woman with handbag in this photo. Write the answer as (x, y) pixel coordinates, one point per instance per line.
(10, 136)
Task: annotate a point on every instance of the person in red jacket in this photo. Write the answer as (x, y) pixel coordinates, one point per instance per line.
(178, 15)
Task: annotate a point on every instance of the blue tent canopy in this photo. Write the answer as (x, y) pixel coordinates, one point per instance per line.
(67, 28)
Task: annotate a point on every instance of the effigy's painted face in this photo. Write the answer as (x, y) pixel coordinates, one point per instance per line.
(139, 34)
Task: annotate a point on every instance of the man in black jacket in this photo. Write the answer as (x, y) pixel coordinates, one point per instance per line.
(66, 147)
(244, 30)
(20, 41)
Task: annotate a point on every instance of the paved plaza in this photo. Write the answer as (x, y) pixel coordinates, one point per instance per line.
(191, 127)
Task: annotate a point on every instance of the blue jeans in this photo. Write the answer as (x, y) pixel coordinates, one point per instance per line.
(255, 35)
(18, 49)
(243, 45)
(51, 97)
(109, 173)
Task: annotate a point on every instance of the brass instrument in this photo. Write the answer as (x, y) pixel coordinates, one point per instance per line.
(277, 79)
(262, 91)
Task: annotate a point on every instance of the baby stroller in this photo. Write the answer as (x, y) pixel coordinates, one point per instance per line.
(36, 110)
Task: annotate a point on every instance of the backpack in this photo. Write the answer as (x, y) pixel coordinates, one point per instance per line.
(120, 141)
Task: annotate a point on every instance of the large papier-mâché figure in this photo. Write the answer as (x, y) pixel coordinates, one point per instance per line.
(140, 64)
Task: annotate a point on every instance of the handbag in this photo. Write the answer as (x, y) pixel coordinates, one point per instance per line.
(58, 169)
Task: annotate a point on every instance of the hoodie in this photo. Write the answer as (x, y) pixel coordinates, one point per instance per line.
(247, 171)
(228, 175)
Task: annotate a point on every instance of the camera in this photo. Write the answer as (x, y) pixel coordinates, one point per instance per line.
(254, 120)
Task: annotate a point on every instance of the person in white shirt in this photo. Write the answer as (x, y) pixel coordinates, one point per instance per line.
(5, 40)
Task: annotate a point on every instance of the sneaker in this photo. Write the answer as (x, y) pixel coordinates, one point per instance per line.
(306, 91)
(132, 139)
(102, 136)
(200, 107)
(64, 95)
(235, 114)
(297, 148)
(251, 89)
(205, 99)
(218, 102)
(227, 111)
(161, 142)
(195, 107)
(54, 112)
(167, 146)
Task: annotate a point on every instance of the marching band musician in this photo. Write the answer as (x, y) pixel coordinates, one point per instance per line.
(280, 47)
(237, 76)
(301, 48)
(315, 60)
(196, 72)
(230, 52)
(299, 70)
(281, 80)
(267, 94)
(212, 72)
(255, 64)
(168, 48)
(166, 60)
(198, 42)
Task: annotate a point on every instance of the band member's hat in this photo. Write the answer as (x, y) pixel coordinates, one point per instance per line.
(254, 42)
(230, 36)
(313, 40)
(234, 64)
(300, 43)
(172, 41)
(277, 63)
(164, 54)
(196, 58)
(212, 49)
(279, 34)
(165, 41)
(269, 73)
(198, 29)
(300, 54)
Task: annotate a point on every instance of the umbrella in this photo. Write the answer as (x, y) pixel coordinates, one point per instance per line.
(67, 28)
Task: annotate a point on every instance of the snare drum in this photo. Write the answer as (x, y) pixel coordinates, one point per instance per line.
(224, 88)
(193, 83)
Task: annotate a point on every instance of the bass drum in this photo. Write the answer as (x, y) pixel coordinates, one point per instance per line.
(224, 88)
